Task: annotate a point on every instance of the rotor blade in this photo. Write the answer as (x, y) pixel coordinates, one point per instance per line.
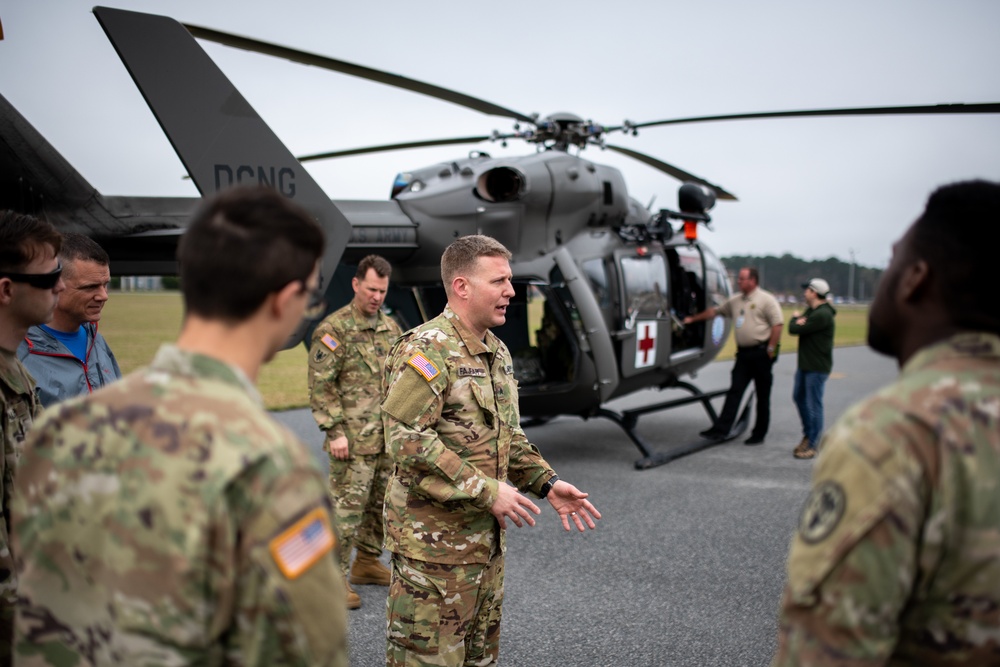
(679, 174)
(987, 107)
(344, 67)
(393, 147)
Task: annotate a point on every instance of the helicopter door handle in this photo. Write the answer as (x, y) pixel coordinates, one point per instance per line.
(630, 322)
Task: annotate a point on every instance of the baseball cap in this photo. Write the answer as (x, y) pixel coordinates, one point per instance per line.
(818, 285)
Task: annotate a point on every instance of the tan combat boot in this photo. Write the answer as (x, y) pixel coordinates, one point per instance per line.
(801, 447)
(353, 599)
(367, 569)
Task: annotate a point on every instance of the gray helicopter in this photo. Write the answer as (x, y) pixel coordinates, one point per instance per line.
(602, 282)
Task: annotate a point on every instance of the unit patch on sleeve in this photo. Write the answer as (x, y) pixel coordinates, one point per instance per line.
(305, 542)
(330, 342)
(423, 366)
(822, 512)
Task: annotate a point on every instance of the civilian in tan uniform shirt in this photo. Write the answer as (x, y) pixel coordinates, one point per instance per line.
(757, 323)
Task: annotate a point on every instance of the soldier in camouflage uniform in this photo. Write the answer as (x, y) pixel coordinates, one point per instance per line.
(30, 281)
(345, 388)
(896, 560)
(167, 519)
(452, 427)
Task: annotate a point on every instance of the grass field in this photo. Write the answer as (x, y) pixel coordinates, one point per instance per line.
(136, 324)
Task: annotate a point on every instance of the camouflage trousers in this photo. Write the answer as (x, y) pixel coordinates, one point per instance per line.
(8, 603)
(443, 615)
(357, 489)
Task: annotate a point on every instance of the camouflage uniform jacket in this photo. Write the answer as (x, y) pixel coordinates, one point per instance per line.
(168, 520)
(452, 426)
(896, 560)
(18, 407)
(345, 376)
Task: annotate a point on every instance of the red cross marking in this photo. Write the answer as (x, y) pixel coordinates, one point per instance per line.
(646, 344)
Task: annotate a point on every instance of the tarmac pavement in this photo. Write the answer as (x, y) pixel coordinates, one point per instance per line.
(686, 567)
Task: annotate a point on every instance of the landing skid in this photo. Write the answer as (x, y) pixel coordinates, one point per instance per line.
(629, 419)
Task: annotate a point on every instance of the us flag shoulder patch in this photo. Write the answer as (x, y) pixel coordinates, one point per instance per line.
(330, 342)
(305, 542)
(424, 366)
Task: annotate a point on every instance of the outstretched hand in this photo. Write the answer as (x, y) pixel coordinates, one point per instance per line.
(572, 505)
(511, 504)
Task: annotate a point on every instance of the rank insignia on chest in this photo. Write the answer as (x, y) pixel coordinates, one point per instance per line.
(330, 342)
(509, 369)
(471, 371)
(305, 542)
(424, 366)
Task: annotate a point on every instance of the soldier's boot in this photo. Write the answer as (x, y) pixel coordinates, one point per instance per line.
(368, 569)
(802, 447)
(353, 599)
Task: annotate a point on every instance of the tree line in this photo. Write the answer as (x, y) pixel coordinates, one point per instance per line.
(786, 274)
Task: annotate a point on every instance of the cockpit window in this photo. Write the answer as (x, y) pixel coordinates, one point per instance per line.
(645, 286)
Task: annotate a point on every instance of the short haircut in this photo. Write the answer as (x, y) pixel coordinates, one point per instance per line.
(242, 245)
(958, 235)
(460, 257)
(79, 247)
(382, 267)
(22, 238)
(753, 273)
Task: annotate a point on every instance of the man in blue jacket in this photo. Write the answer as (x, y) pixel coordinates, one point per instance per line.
(68, 357)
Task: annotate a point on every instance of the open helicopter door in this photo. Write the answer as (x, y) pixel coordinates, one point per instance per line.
(563, 356)
(644, 337)
(594, 329)
(698, 281)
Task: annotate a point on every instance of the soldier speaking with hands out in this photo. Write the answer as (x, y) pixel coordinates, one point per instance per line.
(452, 424)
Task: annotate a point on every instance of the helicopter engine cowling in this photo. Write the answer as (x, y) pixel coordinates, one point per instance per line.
(501, 184)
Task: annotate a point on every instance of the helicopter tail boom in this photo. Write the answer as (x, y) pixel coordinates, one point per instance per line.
(217, 135)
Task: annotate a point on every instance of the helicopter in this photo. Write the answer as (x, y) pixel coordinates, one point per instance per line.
(602, 283)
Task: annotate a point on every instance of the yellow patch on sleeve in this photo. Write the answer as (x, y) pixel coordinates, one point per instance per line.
(423, 366)
(297, 548)
(330, 342)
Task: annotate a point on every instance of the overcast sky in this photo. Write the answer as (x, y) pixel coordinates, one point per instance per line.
(812, 187)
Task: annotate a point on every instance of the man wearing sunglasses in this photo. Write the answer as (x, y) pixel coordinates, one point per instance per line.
(29, 284)
(68, 357)
(168, 519)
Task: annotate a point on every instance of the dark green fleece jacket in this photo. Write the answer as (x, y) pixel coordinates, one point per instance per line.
(815, 338)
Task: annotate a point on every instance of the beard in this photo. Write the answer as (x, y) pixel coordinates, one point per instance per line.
(880, 340)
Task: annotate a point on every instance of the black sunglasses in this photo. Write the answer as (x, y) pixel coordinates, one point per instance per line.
(39, 280)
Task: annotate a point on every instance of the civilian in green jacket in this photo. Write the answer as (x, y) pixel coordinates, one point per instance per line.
(815, 331)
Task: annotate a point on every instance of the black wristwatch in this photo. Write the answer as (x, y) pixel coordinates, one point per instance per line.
(544, 491)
